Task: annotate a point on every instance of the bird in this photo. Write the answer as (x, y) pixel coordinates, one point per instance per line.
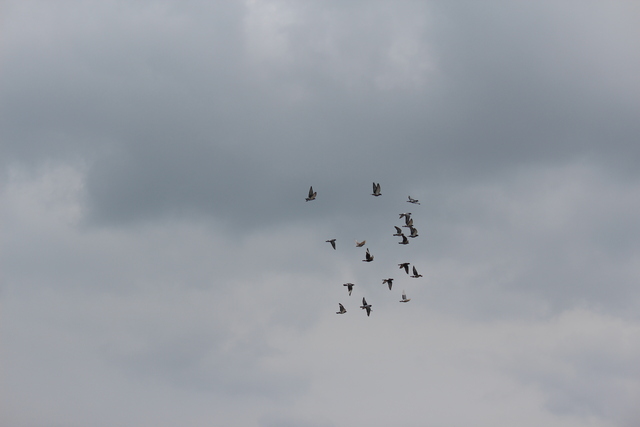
(398, 231)
(366, 306)
(342, 309)
(414, 231)
(312, 194)
(376, 190)
(368, 256)
(405, 241)
(404, 265)
(414, 201)
(406, 214)
(360, 244)
(404, 297)
(333, 242)
(415, 273)
(349, 287)
(408, 222)
(388, 281)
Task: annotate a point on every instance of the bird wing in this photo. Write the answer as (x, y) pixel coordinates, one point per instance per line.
(311, 191)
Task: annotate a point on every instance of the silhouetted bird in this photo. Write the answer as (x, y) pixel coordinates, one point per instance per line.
(342, 310)
(332, 241)
(366, 306)
(388, 281)
(368, 256)
(415, 273)
(414, 201)
(349, 287)
(405, 241)
(404, 265)
(376, 190)
(312, 194)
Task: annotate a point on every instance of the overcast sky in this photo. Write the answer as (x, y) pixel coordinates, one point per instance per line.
(160, 266)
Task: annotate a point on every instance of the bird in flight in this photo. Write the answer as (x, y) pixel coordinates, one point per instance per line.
(366, 306)
(404, 265)
(408, 222)
(312, 194)
(332, 241)
(414, 201)
(405, 241)
(415, 273)
(342, 309)
(404, 297)
(368, 256)
(360, 244)
(406, 214)
(388, 281)
(398, 231)
(414, 231)
(376, 190)
(349, 287)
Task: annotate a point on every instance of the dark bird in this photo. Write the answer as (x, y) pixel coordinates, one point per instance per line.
(388, 281)
(368, 256)
(349, 287)
(414, 231)
(404, 297)
(405, 241)
(342, 309)
(408, 222)
(360, 244)
(415, 273)
(406, 214)
(376, 190)
(398, 231)
(332, 241)
(312, 194)
(366, 306)
(404, 265)
(414, 201)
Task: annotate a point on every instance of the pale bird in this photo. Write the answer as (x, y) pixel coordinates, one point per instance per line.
(360, 244)
(404, 297)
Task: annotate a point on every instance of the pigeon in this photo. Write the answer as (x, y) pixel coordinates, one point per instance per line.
(312, 194)
(404, 298)
(406, 215)
(333, 242)
(405, 241)
(342, 310)
(398, 231)
(349, 287)
(414, 201)
(389, 281)
(404, 265)
(368, 256)
(376, 190)
(408, 222)
(415, 273)
(360, 244)
(414, 231)
(366, 306)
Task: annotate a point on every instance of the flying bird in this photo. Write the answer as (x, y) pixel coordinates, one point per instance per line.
(342, 309)
(366, 306)
(312, 194)
(376, 190)
(404, 297)
(408, 222)
(404, 265)
(414, 201)
(349, 287)
(388, 281)
(398, 231)
(368, 256)
(415, 273)
(405, 241)
(360, 244)
(414, 231)
(332, 241)
(406, 214)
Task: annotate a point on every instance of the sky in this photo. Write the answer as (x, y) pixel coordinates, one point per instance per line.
(159, 264)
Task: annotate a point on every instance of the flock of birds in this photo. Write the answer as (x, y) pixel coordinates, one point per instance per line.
(413, 233)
